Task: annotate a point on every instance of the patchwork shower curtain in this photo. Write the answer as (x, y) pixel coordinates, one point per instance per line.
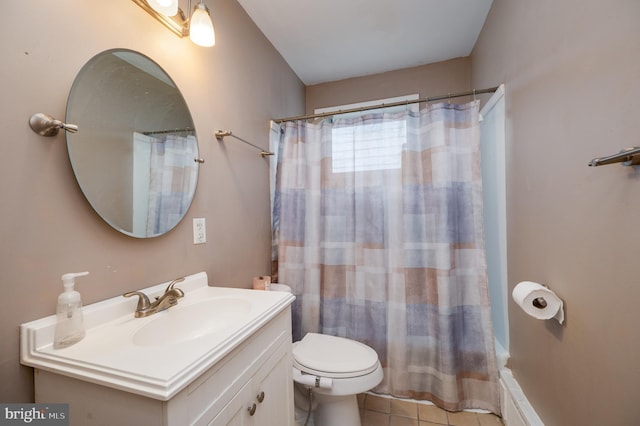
(172, 180)
(377, 227)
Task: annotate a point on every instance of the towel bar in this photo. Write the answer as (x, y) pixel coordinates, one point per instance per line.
(220, 134)
(628, 157)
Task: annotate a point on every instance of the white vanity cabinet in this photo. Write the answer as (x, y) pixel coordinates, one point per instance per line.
(237, 374)
(262, 400)
(252, 385)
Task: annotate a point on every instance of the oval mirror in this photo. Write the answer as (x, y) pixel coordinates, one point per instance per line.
(135, 155)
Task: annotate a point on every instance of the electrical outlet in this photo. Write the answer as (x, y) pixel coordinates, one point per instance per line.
(199, 230)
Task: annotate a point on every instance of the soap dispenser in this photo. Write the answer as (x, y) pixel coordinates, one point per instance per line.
(70, 322)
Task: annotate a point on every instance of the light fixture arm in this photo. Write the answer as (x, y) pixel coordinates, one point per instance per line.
(179, 23)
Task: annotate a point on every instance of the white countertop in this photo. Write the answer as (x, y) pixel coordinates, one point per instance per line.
(109, 356)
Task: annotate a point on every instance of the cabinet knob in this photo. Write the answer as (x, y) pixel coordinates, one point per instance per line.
(260, 397)
(252, 409)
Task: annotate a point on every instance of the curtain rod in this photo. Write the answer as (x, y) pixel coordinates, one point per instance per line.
(164, 132)
(391, 104)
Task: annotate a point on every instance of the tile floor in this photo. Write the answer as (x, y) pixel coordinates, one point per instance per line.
(382, 411)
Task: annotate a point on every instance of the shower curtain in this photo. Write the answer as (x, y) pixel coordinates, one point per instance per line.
(377, 227)
(172, 180)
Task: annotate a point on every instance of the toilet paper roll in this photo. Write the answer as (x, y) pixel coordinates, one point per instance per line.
(538, 301)
(311, 380)
(262, 282)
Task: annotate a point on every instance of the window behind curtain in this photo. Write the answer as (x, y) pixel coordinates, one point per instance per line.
(375, 146)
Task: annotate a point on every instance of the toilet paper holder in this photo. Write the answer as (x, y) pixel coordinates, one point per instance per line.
(538, 301)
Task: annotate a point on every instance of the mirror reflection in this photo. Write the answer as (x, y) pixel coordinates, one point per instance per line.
(135, 153)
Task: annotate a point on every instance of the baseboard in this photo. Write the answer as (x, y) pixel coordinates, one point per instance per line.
(516, 409)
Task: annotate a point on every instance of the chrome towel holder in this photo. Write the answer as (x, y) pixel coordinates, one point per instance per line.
(220, 134)
(628, 157)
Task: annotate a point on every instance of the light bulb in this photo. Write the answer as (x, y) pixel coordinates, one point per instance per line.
(165, 7)
(201, 28)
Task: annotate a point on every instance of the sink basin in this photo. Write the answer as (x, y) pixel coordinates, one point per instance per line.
(183, 323)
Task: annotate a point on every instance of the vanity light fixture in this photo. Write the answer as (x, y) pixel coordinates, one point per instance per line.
(201, 28)
(165, 7)
(198, 26)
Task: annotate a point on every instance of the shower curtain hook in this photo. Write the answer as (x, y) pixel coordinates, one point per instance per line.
(449, 100)
(474, 94)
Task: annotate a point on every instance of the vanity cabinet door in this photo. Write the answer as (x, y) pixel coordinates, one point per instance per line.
(266, 400)
(273, 391)
(237, 411)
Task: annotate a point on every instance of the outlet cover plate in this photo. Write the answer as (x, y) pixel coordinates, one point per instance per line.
(199, 230)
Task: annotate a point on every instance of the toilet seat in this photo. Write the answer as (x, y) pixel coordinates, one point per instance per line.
(333, 357)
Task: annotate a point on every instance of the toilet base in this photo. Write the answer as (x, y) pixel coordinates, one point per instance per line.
(336, 410)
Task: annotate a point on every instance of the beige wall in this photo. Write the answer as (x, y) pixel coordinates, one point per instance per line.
(571, 70)
(572, 75)
(435, 79)
(48, 228)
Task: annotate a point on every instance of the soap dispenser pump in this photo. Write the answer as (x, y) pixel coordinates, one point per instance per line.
(70, 322)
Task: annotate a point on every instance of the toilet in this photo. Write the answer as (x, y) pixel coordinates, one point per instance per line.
(336, 370)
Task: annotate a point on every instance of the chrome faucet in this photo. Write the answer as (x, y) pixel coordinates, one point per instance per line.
(168, 299)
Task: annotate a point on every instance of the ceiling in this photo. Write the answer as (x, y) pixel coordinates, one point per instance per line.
(332, 40)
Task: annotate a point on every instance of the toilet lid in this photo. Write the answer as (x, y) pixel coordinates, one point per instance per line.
(335, 357)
